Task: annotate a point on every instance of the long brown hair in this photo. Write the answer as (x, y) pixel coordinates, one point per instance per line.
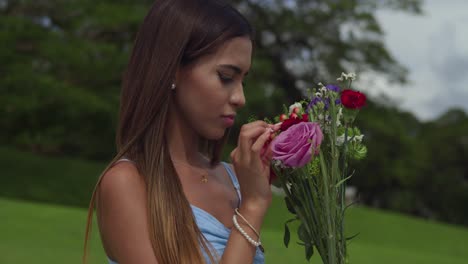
(174, 33)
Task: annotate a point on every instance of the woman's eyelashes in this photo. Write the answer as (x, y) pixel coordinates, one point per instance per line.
(228, 79)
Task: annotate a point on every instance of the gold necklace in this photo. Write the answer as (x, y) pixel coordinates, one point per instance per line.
(204, 176)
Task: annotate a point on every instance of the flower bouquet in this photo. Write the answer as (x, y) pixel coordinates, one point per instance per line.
(310, 157)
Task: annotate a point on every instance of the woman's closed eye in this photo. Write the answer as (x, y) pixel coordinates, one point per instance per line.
(225, 78)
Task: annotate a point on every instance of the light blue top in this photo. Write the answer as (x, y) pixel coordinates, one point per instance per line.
(213, 230)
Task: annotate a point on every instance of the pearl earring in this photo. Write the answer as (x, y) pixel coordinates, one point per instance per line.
(173, 86)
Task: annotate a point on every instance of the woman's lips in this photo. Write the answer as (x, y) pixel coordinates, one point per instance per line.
(228, 120)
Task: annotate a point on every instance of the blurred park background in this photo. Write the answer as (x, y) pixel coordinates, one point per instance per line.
(60, 73)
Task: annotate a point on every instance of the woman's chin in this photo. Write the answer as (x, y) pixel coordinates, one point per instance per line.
(214, 135)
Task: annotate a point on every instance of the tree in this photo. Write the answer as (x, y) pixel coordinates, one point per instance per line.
(61, 72)
(72, 53)
(445, 178)
(305, 41)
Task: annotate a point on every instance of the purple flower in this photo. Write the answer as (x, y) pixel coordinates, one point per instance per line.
(327, 103)
(295, 146)
(337, 101)
(313, 102)
(333, 88)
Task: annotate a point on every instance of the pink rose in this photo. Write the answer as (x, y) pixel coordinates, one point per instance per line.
(295, 146)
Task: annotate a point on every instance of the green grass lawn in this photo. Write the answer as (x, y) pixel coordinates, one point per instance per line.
(33, 232)
(44, 233)
(384, 237)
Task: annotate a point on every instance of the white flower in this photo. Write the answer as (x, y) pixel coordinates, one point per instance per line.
(320, 117)
(340, 113)
(340, 140)
(291, 108)
(278, 163)
(358, 138)
(344, 76)
(322, 89)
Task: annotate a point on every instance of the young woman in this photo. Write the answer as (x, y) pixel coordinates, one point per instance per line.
(166, 198)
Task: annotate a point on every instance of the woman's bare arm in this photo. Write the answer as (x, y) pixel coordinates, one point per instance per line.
(238, 249)
(253, 175)
(122, 216)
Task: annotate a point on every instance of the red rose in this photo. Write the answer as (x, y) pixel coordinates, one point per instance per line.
(293, 120)
(353, 99)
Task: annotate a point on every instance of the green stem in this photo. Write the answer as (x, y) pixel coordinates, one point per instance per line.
(343, 192)
(301, 211)
(331, 239)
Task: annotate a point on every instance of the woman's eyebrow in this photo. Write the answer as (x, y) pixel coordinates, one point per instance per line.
(235, 68)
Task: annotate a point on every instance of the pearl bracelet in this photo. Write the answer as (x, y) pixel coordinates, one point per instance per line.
(245, 220)
(244, 234)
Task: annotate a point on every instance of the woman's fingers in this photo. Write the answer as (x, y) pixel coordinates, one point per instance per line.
(276, 126)
(248, 136)
(233, 156)
(268, 153)
(250, 126)
(260, 142)
(253, 138)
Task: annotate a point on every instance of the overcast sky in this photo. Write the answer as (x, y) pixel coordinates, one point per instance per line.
(434, 47)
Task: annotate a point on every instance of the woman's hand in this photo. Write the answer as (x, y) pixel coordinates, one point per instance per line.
(252, 165)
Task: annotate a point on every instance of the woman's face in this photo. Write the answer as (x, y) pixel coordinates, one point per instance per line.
(210, 91)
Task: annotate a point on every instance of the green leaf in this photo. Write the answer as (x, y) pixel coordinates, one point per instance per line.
(353, 236)
(343, 180)
(287, 235)
(289, 205)
(252, 118)
(303, 234)
(285, 109)
(268, 120)
(309, 251)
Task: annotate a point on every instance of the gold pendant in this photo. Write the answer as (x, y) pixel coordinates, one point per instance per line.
(204, 178)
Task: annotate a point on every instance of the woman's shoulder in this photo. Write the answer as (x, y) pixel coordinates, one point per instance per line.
(122, 178)
(123, 214)
(122, 190)
(121, 194)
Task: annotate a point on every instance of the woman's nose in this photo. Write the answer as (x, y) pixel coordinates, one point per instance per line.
(237, 97)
